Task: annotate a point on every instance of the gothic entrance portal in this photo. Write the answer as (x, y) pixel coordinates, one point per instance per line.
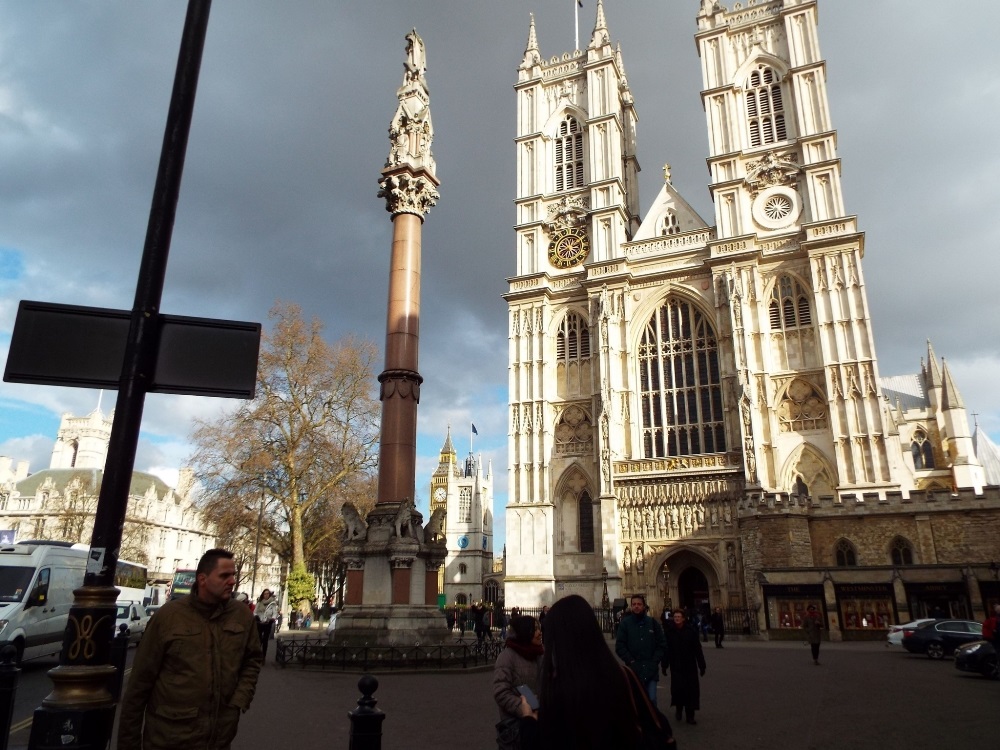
(692, 591)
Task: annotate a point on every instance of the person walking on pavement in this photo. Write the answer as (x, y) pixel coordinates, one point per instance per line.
(812, 623)
(687, 662)
(196, 667)
(266, 614)
(640, 645)
(718, 626)
(517, 665)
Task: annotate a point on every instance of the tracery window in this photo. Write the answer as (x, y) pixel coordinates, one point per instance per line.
(492, 591)
(789, 306)
(680, 388)
(465, 505)
(572, 339)
(846, 555)
(901, 551)
(922, 451)
(765, 110)
(586, 517)
(569, 155)
(669, 224)
(803, 408)
(574, 433)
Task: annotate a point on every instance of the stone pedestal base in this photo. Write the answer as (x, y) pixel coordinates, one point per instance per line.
(392, 563)
(395, 625)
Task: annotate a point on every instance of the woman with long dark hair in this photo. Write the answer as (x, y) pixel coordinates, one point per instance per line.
(586, 701)
(516, 665)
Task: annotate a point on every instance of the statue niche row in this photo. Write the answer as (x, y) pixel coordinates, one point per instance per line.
(673, 520)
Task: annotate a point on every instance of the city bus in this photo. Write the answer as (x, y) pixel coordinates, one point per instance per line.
(184, 579)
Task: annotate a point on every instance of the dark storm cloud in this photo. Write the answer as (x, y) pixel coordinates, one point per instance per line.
(289, 134)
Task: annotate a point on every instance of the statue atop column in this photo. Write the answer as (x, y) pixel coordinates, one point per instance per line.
(411, 131)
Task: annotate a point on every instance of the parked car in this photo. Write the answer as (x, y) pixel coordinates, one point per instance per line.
(133, 617)
(940, 638)
(897, 633)
(978, 656)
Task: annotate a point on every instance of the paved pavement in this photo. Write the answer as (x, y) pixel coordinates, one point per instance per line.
(754, 695)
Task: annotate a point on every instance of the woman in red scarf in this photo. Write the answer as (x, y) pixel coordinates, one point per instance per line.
(517, 665)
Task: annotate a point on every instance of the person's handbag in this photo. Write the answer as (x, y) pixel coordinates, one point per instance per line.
(509, 733)
(655, 728)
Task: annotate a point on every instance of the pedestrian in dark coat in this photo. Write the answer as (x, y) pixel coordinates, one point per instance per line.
(718, 626)
(687, 662)
(639, 643)
(812, 623)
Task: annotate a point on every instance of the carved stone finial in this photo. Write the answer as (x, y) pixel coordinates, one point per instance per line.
(666, 173)
(411, 131)
(531, 54)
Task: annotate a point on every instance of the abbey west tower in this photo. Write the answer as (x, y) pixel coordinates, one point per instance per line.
(667, 377)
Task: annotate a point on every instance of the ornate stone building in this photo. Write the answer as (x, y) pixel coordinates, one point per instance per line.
(164, 529)
(464, 493)
(696, 407)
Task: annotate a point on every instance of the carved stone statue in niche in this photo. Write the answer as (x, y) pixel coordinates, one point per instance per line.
(647, 518)
(675, 519)
(714, 514)
(640, 560)
(624, 516)
(627, 560)
(700, 514)
(727, 513)
(662, 517)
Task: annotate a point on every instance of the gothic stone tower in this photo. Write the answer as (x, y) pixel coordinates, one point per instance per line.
(667, 376)
(465, 493)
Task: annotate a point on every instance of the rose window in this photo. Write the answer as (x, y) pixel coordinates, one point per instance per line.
(777, 207)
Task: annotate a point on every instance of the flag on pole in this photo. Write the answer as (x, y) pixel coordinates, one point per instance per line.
(474, 430)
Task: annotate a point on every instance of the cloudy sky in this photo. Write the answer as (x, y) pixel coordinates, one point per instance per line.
(289, 134)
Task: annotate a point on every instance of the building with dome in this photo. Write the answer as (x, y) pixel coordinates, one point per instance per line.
(696, 407)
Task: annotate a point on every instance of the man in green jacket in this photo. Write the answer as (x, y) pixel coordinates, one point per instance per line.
(641, 645)
(195, 669)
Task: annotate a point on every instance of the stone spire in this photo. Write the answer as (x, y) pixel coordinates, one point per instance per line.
(408, 182)
(600, 36)
(531, 54)
(933, 371)
(950, 398)
(448, 449)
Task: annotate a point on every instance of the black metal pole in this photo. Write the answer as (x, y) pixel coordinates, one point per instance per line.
(80, 710)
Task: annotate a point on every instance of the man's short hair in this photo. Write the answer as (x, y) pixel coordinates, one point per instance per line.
(638, 596)
(210, 560)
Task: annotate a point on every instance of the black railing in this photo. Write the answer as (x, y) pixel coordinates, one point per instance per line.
(742, 621)
(318, 652)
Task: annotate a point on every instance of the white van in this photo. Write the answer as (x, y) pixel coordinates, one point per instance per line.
(37, 580)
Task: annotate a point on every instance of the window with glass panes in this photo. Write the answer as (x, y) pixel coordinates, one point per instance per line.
(680, 388)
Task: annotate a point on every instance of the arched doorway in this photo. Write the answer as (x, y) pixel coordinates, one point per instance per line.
(692, 590)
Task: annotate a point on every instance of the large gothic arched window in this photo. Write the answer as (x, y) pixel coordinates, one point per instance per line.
(847, 556)
(679, 383)
(765, 110)
(569, 155)
(901, 551)
(465, 505)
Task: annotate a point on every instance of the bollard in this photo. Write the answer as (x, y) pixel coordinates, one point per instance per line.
(119, 652)
(9, 674)
(366, 720)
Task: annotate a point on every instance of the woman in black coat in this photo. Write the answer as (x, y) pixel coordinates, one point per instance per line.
(687, 662)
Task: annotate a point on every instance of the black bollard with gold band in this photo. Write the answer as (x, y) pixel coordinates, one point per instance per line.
(80, 710)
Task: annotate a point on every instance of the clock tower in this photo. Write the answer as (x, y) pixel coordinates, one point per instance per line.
(465, 492)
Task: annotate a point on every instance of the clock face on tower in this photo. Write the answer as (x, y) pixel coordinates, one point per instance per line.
(463, 542)
(440, 494)
(568, 247)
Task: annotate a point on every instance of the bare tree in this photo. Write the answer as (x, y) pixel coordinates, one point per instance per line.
(303, 444)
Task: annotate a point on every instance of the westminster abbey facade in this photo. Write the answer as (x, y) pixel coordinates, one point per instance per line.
(696, 408)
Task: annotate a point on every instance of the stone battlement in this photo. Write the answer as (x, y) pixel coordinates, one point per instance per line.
(767, 503)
